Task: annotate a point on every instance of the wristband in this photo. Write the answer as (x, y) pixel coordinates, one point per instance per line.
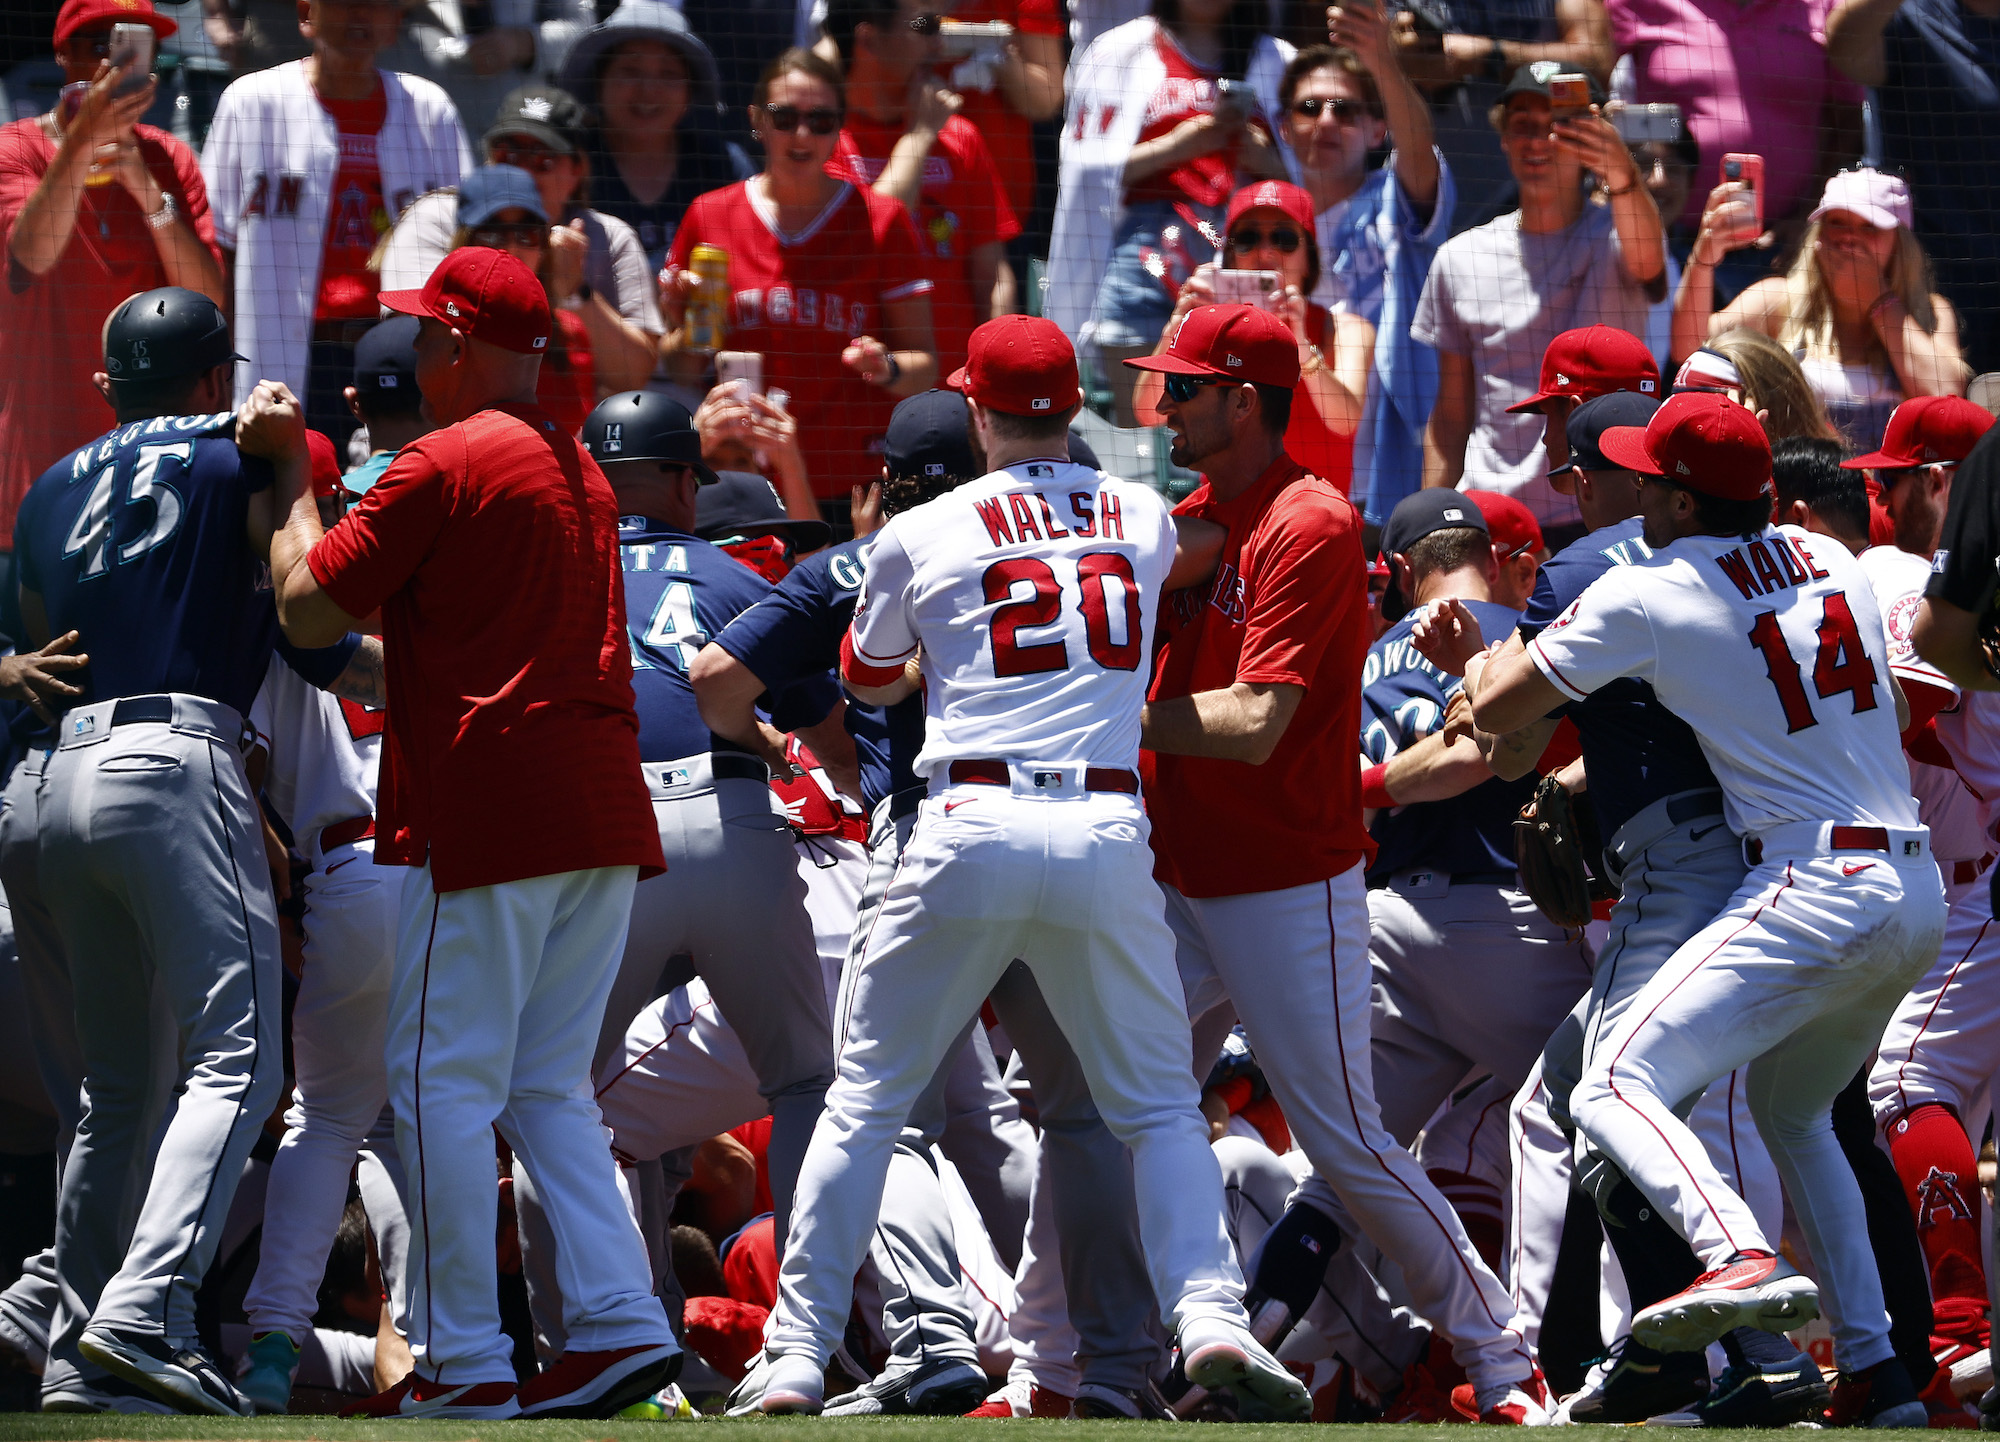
(1375, 788)
(895, 372)
(1496, 61)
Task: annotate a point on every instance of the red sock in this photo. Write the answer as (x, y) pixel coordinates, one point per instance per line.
(1933, 1157)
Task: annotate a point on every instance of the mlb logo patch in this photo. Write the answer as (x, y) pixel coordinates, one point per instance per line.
(1048, 779)
(84, 726)
(1040, 471)
(614, 438)
(1913, 848)
(1040, 403)
(1646, 388)
(676, 777)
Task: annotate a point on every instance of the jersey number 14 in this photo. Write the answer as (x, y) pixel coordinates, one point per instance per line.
(1840, 666)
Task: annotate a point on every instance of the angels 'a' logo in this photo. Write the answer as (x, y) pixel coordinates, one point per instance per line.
(1938, 1200)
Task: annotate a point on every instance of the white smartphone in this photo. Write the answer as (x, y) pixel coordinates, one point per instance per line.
(132, 50)
(746, 366)
(1245, 287)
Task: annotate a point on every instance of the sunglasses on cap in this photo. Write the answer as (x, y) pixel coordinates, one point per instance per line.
(819, 120)
(518, 232)
(1344, 110)
(1182, 388)
(1281, 238)
(535, 162)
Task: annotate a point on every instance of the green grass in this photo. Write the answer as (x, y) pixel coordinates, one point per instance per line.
(28, 1427)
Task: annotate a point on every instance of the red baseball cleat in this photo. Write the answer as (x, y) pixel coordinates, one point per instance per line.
(1755, 1289)
(416, 1397)
(601, 1384)
(1024, 1399)
(1513, 1404)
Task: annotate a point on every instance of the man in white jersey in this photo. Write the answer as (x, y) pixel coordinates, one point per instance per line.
(1768, 642)
(1031, 593)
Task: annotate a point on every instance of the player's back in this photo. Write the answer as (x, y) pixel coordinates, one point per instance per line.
(139, 542)
(1033, 592)
(1773, 650)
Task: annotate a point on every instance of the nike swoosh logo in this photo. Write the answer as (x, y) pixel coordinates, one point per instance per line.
(1697, 835)
(949, 806)
(1855, 867)
(410, 1406)
(338, 864)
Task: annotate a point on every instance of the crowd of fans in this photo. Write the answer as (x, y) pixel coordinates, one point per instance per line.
(1456, 184)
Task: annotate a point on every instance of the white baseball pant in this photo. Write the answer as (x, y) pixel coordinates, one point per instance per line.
(1795, 980)
(1066, 885)
(1943, 1042)
(497, 996)
(1294, 963)
(342, 1080)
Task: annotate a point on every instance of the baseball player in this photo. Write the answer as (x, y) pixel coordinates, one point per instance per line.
(792, 634)
(1254, 797)
(1659, 808)
(146, 544)
(1031, 594)
(1578, 366)
(1841, 909)
(516, 902)
(1468, 972)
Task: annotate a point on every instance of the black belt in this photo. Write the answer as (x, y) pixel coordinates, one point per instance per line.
(1683, 809)
(732, 766)
(1458, 878)
(905, 802)
(133, 709)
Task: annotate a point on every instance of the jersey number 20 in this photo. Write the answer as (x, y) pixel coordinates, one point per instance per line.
(90, 537)
(1013, 658)
(1841, 664)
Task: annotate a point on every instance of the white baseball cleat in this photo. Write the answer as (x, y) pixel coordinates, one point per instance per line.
(1215, 1354)
(796, 1385)
(1755, 1289)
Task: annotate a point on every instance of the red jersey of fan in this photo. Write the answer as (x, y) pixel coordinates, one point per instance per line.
(1007, 133)
(799, 299)
(567, 387)
(491, 549)
(1288, 605)
(1186, 92)
(54, 323)
(357, 217)
(962, 206)
(1307, 438)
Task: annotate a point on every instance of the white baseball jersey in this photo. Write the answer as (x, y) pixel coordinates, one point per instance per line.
(1772, 649)
(1032, 592)
(325, 752)
(1947, 807)
(1971, 734)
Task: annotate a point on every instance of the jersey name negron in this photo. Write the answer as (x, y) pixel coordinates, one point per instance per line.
(1772, 564)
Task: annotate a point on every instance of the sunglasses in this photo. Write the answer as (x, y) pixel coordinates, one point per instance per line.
(535, 162)
(519, 232)
(1282, 239)
(1182, 388)
(1344, 110)
(819, 120)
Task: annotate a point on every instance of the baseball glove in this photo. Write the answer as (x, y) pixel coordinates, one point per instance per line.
(1560, 855)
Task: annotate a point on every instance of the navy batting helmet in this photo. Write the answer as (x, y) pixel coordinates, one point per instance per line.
(166, 334)
(645, 426)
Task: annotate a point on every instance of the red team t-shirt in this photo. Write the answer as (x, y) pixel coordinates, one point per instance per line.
(53, 324)
(1288, 605)
(567, 388)
(1008, 135)
(491, 548)
(1307, 439)
(962, 206)
(1186, 92)
(357, 216)
(800, 299)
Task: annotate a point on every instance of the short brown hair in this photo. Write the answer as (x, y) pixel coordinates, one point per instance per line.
(1329, 57)
(803, 62)
(1451, 549)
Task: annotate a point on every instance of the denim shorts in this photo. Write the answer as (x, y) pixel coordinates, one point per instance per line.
(1155, 250)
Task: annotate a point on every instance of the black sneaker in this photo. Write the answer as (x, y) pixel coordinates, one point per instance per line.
(1757, 1394)
(179, 1375)
(1989, 1410)
(1094, 1400)
(944, 1388)
(1632, 1382)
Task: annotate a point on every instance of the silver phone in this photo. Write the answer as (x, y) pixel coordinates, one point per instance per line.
(132, 50)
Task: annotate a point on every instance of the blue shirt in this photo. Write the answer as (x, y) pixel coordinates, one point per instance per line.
(139, 543)
(795, 633)
(1635, 750)
(1403, 700)
(679, 592)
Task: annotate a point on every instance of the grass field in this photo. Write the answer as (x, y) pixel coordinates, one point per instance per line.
(30, 1427)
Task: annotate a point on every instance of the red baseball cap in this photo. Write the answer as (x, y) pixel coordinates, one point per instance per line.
(486, 294)
(1021, 364)
(1511, 524)
(325, 464)
(1700, 440)
(1926, 431)
(78, 15)
(1593, 361)
(1236, 342)
(1276, 195)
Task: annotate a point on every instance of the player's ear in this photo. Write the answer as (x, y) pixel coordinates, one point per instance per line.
(103, 384)
(306, 26)
(353, 399)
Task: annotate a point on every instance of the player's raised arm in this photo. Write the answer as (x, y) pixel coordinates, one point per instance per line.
(272, 424)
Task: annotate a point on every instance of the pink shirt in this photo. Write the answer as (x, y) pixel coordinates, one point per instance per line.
(1750, 78)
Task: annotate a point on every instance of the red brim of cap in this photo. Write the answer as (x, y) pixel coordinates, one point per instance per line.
(1878, 461)
(163, 25)
(1534, 402)
(1626, 446)
(407, 302)
(1174, 365)
(956, 380)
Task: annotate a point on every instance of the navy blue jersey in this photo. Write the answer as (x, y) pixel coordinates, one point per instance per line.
(1403, 700)
(795, 632)
(1634, 749)
(680, 591)
(139, 543)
